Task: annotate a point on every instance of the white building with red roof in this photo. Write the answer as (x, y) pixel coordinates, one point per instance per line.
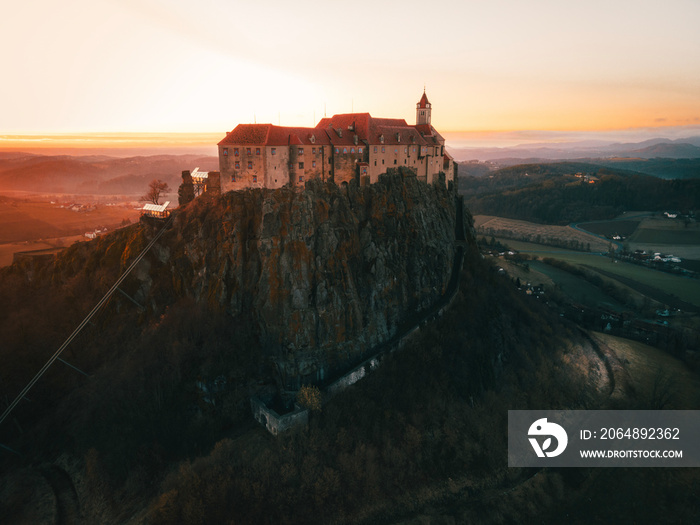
(341, 148)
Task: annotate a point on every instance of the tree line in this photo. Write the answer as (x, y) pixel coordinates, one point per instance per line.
(545, 195)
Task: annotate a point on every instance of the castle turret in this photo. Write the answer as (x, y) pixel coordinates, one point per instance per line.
(423, 110)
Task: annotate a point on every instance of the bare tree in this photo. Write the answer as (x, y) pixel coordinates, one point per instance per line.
(155, 188)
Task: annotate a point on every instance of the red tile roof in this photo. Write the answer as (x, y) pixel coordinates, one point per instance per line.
(269, 135)
(423, 102)
(338, 130)
(369, 130)
(429, 133)
(247, 134)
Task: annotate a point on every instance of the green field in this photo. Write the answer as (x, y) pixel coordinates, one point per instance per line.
(651, 236)
(684, 288)
(577, 288)
(610, 228)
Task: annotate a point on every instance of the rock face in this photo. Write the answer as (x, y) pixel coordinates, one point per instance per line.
(325, 274)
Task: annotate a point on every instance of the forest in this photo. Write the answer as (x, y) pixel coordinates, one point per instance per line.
(552, 194)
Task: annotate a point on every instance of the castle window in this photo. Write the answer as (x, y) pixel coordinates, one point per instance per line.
(405, 150)
(250, 164)
(345, 150)
(257, 151)
(414, 150)
(352, 150)
(301, 179)
(300, 151)
(396, 150)
(359, 150)
(394, 161)
(235, 152)
(273, 151)
(382, 161)
(375, 162)
(255, 178)
(237, 165)
(337, 150)
(383, 149)
(313, 150)
(247, 151)
(313, 164)
(301, 165)
(375, 149)
(225, 152)
(233, 178)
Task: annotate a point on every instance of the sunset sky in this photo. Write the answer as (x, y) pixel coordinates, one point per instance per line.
(181, 66)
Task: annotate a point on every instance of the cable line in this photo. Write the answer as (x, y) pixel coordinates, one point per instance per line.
(85, 321)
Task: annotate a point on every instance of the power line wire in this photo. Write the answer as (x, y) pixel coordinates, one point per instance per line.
(85, 321)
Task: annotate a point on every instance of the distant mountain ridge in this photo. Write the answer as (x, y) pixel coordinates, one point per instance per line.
(653, 148)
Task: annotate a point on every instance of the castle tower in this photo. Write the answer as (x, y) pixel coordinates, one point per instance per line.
(423, 110)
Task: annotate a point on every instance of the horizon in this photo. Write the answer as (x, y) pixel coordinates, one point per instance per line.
(123, 144)
(502, 65)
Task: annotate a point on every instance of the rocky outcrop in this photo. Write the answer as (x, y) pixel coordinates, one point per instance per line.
(324, 274)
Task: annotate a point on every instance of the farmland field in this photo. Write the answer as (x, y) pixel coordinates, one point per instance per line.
(683, 287)
(652, 233)
(665, 235)
(498, 226)
(649, 236)
(577, 288)
(610, 228)
(30, 225)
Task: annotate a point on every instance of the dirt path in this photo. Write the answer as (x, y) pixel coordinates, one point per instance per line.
(67, 504)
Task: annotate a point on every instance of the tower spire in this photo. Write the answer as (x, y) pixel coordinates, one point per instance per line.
(423, 109)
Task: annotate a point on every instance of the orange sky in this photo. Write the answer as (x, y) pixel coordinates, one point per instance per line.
(192, 67)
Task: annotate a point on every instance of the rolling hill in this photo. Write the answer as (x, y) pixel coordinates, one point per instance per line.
(94, 174)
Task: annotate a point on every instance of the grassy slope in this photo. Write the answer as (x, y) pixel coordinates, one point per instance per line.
(647, 365)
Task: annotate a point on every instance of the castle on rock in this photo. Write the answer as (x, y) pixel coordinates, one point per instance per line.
(341, 148)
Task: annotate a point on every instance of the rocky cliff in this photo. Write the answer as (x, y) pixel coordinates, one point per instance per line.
(324, 274)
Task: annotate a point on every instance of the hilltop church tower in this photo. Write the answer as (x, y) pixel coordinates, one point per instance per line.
(423, 110)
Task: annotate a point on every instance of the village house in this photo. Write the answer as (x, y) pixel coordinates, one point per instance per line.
(341, 148)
